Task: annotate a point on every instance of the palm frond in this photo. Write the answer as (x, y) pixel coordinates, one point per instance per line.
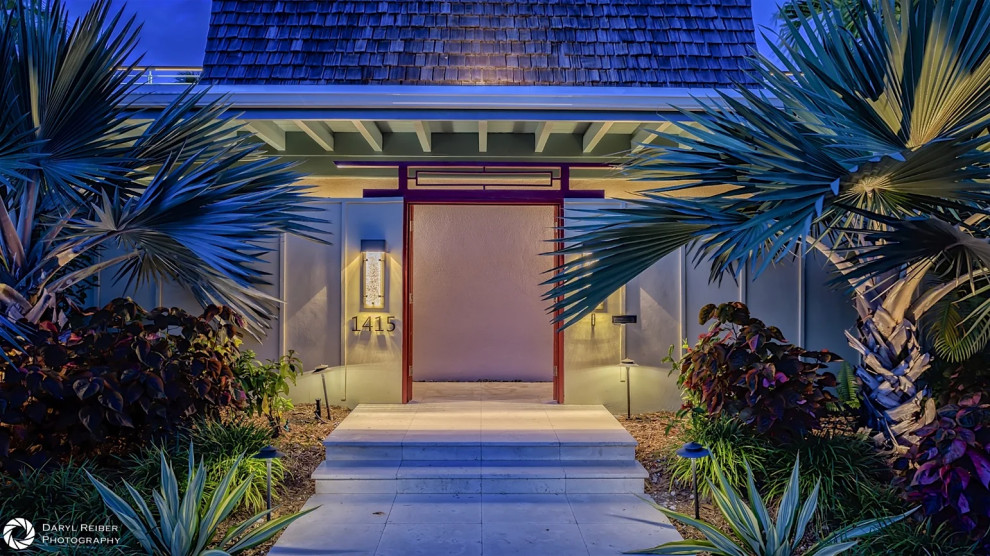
(875, 112)
(205, 222)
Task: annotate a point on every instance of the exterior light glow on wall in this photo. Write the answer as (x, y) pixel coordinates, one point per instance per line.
(373, 274)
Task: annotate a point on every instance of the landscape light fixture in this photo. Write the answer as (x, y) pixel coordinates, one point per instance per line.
(373, 274)
(268, 453)
(694, 451)
(626, 364)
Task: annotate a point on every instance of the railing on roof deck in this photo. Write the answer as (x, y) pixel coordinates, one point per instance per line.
(165, 75)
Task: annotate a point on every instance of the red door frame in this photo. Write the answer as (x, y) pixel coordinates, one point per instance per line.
(411, 197)
(407, 284)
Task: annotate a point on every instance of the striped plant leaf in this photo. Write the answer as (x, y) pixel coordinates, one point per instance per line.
(754, 533)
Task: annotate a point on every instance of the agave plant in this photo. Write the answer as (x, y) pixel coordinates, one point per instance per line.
(755, 533)
(87, 184)
(868, 144)
(187, 524)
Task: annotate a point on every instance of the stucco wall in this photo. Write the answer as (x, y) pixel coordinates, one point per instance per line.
(321, 287)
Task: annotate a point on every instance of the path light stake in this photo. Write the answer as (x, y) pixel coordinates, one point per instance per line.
(626, 364)
(694, 451)
(268, 453)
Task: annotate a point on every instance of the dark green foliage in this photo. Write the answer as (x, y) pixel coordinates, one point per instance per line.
(951, 382)
(745, 369)
(39, 495)
(266, 385)
(948, 470)
(216, 439)
(854, 476)
(847, 386)
(59, 494)
(731, 443)
(910, 538)
(186, 520)
(114, 379)
(749, 528)
(220, 443)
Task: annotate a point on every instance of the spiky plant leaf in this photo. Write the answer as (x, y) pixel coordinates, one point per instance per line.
(768, 538)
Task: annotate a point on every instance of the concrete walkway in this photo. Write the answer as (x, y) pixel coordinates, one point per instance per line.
(476, 524)
(473, 472)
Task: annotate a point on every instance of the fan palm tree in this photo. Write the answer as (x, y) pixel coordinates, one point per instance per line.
(88, 184)
(868, 144)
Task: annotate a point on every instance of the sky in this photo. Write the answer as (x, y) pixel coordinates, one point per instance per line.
(174, 32)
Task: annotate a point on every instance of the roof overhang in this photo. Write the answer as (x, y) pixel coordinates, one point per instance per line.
(489, 102)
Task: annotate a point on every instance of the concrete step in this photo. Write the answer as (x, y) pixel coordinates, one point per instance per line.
(479, 476)
(600, 445)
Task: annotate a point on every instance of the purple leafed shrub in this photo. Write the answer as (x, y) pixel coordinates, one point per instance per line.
(948, 470)
(112, 379)
(746, 369)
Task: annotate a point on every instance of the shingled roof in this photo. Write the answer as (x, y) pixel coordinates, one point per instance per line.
(624, 43)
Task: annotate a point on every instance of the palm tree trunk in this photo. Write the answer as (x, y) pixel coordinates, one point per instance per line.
(892, 358)
(892, 362)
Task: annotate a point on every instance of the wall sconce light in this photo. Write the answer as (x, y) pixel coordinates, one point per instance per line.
(373, 274)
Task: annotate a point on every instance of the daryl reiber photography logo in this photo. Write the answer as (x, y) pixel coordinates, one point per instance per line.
(20, 534)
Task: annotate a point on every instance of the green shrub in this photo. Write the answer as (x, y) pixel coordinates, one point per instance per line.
(854, 476)
(220, 443)
(114, 378)
(745, 369)
(143, 469)
(41, 495)
(907, 538)
(855, 481)
(216, 439)
(266, 385)
(60, 494)
(186, 521)
(731, 444)
(848, 386)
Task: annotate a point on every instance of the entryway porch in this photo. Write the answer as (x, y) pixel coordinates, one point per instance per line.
(478, 476)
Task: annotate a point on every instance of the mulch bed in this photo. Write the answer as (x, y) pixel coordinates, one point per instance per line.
(302, 445)
(658, 439)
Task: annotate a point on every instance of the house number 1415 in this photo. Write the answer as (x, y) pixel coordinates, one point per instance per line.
(374, 324)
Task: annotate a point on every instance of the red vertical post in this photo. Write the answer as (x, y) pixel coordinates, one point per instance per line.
(407, 288)
(558, 334)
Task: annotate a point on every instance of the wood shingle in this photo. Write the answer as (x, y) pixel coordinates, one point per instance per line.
(618, 43)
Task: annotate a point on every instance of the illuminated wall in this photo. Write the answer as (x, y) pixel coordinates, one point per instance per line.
(323, 321)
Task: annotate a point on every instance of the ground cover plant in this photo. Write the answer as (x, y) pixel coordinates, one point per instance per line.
(186, 521)
(752, 530)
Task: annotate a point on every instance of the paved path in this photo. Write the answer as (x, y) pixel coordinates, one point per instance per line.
(476, 524)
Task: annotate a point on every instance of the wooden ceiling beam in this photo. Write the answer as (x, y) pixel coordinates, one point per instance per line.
(369, 130)
(319, 132)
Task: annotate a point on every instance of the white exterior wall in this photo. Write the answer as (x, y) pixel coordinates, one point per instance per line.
(321, 287)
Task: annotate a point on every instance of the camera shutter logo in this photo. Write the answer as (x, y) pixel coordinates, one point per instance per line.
(12, 526)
